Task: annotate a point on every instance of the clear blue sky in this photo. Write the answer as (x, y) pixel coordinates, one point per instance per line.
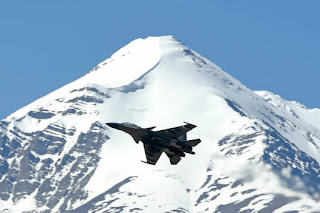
(268, 45)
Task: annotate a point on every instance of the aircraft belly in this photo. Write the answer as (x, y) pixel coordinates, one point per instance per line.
(172, 141)
(166, 150)
(164, 142)
(173, 144)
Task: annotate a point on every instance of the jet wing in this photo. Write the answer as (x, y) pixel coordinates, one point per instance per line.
(177, 131)
(152, 153)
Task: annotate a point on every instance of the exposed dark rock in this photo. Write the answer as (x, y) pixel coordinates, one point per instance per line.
(88, 99)
(41, 114)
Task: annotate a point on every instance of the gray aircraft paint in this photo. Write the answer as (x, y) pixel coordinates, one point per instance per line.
(172, 141)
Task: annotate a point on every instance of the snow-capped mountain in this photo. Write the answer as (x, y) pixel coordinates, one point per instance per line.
(259, 153)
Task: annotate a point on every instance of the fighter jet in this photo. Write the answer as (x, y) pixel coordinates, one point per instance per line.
(172, 141)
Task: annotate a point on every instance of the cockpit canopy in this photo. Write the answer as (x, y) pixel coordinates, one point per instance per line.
(131, 125)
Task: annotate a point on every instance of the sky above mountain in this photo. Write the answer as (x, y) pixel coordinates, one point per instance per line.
(271, 45)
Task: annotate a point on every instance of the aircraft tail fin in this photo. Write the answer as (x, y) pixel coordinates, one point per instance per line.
(192, 142)
(183, 137)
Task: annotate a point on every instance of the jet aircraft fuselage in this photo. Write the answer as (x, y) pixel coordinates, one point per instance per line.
(171, 141)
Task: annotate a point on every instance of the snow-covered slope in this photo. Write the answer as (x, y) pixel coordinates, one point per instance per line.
(259, 153)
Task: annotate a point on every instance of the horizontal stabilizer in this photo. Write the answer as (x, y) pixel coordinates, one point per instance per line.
(174, 159)
(192, 142)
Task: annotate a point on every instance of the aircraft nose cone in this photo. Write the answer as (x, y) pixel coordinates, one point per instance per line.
(113, 125)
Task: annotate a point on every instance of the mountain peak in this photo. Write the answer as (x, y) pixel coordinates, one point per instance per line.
(57, 155)
(132, 62)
